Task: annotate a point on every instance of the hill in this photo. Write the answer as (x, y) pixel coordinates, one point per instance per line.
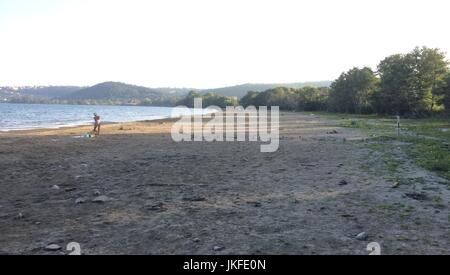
(113, 91)
(49, 92)
(241, 90)
(37, 92)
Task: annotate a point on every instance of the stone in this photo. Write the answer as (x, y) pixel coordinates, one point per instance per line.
(55, 187)
(218, 248)
(418, 196)
(343, 182)
(362, 236)
(53, 247)
(80, 200)
(97, 193)
(194, 199)
(156, 207)
(254, 203)
(101, 199)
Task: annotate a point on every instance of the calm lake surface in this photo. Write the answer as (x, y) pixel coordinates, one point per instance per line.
(35, 116)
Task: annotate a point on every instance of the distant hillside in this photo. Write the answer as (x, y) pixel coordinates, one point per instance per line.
(117, 93)
(38, 92)
(241, 90)
(112, 91)
(174, 91)
(49, 92)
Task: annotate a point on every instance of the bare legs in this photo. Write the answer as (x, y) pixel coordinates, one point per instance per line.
(97, 129)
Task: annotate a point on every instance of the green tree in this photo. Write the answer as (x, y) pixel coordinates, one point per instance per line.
(352, 91)
(443, 92)
(209, 99)
(392, 94)
(409, 84)
(312, 98)
(188, 101)
(433, 68)
(249, 99)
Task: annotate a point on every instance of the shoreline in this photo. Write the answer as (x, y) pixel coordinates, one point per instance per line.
(107, 128)
(69, 121)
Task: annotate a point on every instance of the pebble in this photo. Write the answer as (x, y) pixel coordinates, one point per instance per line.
(80, 201)
(101, 199)
(254, 203)
(343, 182)
(97, 193)
(55, 187)
(156, 207)
(53, 247)
(362, 236)
(218, 248)
(418, 196)
(194, 199)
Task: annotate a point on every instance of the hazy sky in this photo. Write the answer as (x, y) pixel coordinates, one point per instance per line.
(208, 43)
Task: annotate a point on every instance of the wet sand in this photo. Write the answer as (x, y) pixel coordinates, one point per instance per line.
(211, 198)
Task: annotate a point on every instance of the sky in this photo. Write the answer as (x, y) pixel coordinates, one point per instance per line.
(208, 43)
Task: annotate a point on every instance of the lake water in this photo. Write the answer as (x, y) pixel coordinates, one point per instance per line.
(34, 116)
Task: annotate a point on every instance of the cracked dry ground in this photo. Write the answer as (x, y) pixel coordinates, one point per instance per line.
(187, 198)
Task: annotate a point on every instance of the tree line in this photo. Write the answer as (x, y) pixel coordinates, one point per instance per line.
(208, 99)
(292, 99)
(301, 99)
(415, 84)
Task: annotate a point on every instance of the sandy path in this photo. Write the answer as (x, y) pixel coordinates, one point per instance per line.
(187, 198)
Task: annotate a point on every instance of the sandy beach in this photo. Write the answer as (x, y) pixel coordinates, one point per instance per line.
(314, 195)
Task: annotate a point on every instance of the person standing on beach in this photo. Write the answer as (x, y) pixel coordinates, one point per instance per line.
(97, 124)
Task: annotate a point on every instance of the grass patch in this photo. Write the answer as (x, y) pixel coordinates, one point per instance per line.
(426, 141)
(385, 151)
(400, 209)
(431, 155)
